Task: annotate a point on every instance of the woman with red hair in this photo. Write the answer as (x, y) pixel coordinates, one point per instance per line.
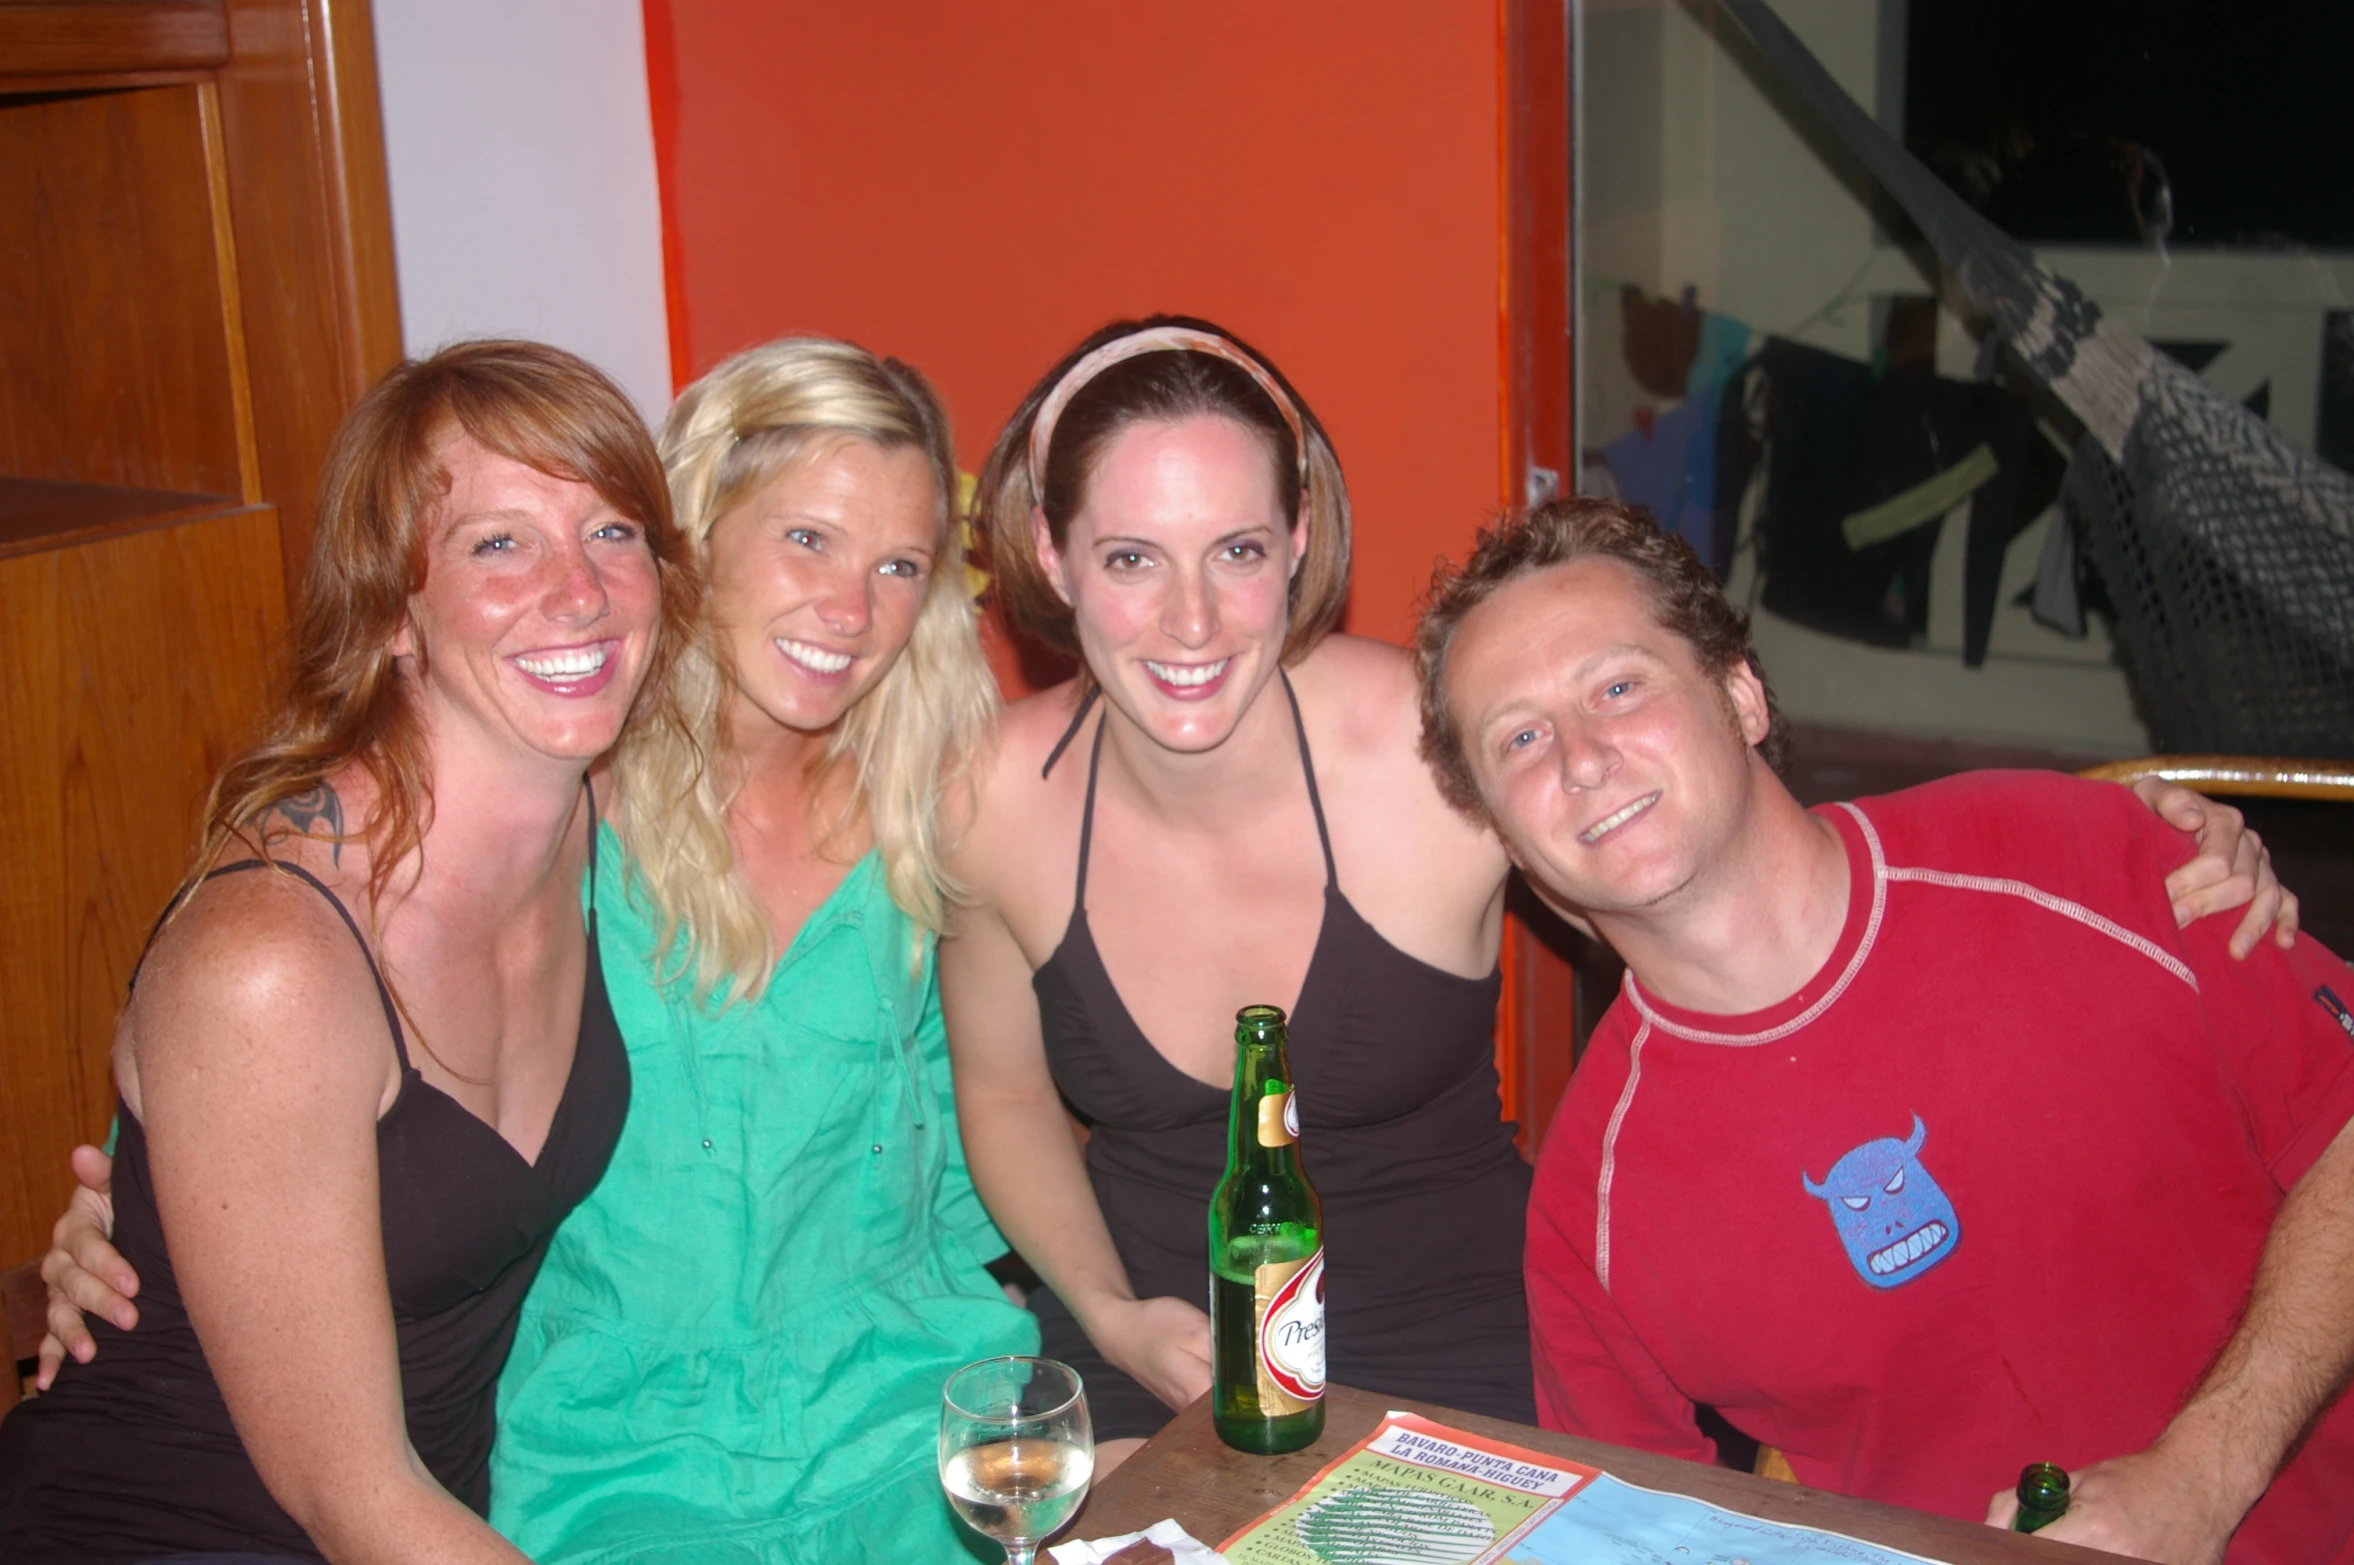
(368, 1063)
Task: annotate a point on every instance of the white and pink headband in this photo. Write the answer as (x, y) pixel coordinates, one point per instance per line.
(1155, 339)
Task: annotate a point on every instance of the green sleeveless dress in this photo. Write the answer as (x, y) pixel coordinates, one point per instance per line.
(735, 1350)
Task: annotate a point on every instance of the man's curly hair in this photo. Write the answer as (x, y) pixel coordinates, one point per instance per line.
(1685, 598)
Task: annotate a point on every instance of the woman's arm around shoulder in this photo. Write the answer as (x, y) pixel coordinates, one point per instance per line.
(257, 1059)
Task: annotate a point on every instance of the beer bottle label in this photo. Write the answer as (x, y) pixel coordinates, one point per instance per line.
(1279, 1120)
(1289, 1296)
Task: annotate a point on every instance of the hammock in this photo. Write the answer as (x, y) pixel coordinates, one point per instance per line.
(2227, 552)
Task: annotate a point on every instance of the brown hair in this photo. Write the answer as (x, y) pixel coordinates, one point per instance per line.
(1166, 385)
(1686, 600)
(343, 701)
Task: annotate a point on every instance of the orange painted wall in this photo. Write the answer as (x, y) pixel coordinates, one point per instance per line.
(975, 186)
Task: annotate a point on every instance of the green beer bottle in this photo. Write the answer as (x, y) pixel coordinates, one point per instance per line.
(1266, 1258)
(2043, 1496)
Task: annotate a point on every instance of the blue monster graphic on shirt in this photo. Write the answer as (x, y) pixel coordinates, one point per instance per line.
(1892, 1217)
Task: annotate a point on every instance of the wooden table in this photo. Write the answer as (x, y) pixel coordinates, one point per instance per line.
(1212, 1489)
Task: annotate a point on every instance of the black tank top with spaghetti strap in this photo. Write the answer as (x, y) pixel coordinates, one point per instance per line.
(1424, 1193)
(133, 1455)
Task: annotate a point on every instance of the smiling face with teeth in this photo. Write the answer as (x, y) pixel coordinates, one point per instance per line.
(1616, 768)
(537, 614)
(816, 580)
(1177, 567)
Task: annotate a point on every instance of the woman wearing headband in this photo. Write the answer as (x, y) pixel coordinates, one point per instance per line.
(1227, 807)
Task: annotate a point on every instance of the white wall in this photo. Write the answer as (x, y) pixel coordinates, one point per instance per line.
(521, 153)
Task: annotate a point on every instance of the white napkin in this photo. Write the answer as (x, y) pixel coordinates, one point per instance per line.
(1167, 1534)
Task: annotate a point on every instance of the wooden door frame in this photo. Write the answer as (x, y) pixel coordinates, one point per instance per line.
(1537, 1014)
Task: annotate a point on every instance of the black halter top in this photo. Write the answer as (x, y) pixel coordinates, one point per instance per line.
(1401, 1129)
(133, 1455)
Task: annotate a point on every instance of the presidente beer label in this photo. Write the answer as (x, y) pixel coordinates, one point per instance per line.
(1289, 1296)
(1279, 1119)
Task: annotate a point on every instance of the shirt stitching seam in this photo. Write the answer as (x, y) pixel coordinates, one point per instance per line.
(1997, 886)
(1805, 1018)
(1626, 1098)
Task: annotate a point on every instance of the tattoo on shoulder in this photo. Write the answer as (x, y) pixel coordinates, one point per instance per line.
(314, 806)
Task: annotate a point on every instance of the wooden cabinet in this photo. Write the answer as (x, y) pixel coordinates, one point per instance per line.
(137, 630)
(195, 284)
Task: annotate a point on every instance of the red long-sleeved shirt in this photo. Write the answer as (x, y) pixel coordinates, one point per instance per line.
(1988, 1190)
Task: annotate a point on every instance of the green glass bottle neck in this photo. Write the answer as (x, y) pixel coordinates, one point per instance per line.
(2045, 1487)
(2043, 1497)
(1257, 1063)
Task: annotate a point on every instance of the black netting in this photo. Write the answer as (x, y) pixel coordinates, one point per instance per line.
(2216, 665)
(2228, 553)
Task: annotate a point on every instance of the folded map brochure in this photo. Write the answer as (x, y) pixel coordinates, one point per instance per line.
(1419, 1493)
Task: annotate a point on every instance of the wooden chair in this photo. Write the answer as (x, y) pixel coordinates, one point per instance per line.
(25, 1300)
(2270, 776)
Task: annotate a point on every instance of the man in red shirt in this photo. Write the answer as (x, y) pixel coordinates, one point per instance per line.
(1921, 1142)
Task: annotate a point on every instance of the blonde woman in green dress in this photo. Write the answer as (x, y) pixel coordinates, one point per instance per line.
(736, 1347)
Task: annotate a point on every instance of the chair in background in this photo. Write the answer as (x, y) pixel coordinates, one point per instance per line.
(2268, 776)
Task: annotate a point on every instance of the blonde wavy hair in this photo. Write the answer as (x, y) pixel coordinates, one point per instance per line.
(908, 742)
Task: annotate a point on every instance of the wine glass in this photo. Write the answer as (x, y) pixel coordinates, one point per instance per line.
(1016, 1449)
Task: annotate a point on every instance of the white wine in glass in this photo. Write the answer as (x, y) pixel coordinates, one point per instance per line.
(1016, 1450)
